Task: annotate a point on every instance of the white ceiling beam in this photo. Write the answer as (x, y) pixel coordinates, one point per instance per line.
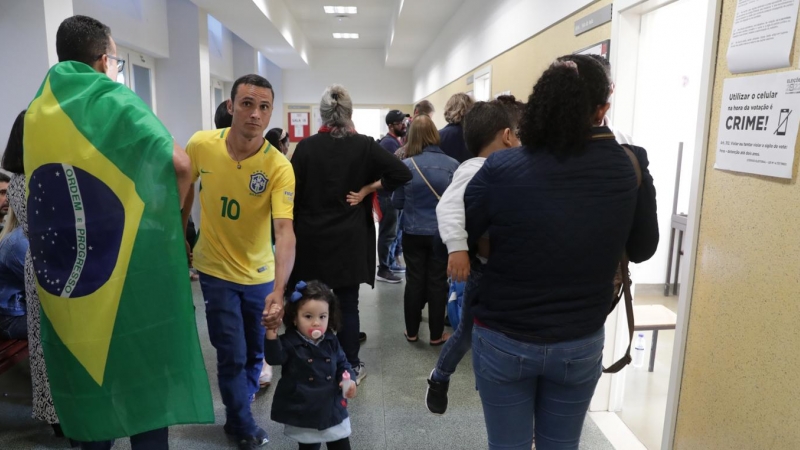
(267, 25)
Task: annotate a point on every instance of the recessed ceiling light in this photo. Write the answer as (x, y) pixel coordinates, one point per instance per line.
(345, 35)
(341, 10)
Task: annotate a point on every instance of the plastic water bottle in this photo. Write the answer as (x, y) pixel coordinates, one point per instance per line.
(638, 350)
(347, 383)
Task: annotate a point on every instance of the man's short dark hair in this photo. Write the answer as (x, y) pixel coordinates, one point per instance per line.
(423, 107)
(222, 118)
(254, 80)
(4, 178)
(12, 157)
(482, 123)
(82, 39)
(603, 62)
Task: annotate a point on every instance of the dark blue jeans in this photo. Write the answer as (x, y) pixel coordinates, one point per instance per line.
(461, 341)
(233, 313)
(13, 327)
(150, 440)
(351, 323)
(387, 231)
(396, 249)
(521, 383)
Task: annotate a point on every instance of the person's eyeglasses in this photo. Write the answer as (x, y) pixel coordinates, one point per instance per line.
(399, 123)
(120, 61)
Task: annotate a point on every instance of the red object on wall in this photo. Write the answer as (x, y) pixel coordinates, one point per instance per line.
(299, 126)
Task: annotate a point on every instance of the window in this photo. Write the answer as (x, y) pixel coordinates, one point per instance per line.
(483, 85)
(368, 121)
(139, 75)
(217, 96)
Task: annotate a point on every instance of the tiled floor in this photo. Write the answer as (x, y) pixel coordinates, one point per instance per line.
(389, 412)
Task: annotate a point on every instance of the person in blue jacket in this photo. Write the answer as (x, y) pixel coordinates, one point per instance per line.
(426, 269)
(310, 399)
(561, 211)
(13, 247)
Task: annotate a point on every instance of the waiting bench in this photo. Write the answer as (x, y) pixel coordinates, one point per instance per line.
(12, 352)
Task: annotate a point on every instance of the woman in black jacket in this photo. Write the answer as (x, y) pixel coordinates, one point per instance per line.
(560, 212)
(337, 170)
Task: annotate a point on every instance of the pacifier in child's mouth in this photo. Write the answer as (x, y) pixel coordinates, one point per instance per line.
(316, 334)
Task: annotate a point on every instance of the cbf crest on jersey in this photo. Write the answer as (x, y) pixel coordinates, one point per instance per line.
(258, 182)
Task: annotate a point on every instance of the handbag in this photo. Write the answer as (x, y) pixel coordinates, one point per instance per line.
(622, 281)
(438, 197)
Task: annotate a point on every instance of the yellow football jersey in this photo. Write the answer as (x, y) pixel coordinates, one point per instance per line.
(237, 207)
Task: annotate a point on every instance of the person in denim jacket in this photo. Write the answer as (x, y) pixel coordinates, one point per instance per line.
(426, 271)
(13, 246)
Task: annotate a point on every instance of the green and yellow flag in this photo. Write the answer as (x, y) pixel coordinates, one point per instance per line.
(118, 327)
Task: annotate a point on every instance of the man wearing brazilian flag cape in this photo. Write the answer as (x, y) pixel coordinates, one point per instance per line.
(105, 187)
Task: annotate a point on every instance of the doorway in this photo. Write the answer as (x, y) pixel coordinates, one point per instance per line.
(662, 99)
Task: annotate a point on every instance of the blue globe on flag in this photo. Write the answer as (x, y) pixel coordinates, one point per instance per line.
(76, 236)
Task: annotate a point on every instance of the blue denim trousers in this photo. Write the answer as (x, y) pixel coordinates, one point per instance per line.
(460, 342)
(233, 314)
(522, 383)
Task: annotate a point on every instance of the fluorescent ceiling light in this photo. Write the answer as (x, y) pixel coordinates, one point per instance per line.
(345, 35)
(341, 10)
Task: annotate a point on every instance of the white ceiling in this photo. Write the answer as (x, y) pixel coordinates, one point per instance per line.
(402, 29)
(371, 22)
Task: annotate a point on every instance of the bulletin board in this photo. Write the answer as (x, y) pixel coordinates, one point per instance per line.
(299, 126)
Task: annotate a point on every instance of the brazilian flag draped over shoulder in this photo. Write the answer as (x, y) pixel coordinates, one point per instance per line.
(118, 327)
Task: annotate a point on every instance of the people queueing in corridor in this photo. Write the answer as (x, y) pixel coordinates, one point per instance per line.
(284, 246)
(488, 128)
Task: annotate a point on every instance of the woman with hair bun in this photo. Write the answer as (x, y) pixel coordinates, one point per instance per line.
(560, 211)
(336, 170)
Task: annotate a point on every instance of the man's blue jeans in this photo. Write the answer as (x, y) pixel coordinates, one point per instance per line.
(461, 341)
(233, 314)
(521, 383)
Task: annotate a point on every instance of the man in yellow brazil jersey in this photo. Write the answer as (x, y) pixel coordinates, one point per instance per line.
(246, 185)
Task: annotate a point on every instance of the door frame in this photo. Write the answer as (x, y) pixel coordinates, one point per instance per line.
(625, 34)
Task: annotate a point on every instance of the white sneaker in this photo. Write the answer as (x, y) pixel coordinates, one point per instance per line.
(266, 375)
(361, 373)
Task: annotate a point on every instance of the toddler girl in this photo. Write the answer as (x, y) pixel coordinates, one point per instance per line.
(310, 399)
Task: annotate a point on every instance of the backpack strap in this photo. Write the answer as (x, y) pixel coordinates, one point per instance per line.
(626, 279)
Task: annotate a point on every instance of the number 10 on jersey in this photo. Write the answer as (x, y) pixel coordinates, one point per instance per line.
(230, 208)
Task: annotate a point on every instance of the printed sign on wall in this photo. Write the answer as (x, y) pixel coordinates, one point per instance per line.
(758, 124)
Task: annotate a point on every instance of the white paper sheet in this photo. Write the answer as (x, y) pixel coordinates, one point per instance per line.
(758, 124)
(298, 131)
(762, 35)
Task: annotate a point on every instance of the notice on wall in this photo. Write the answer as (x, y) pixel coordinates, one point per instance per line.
(758, 124)
(299, 121)
(762, 35)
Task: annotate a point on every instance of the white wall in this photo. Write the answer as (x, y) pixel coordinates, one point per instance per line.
(183, 81)
(480, 31)
(274, 75)
(27, 38)
(137, 24)
(361, 71)
(220, 50)
(670, 67)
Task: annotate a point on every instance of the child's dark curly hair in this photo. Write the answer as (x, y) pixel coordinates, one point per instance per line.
(558, 115)
(313, 290)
